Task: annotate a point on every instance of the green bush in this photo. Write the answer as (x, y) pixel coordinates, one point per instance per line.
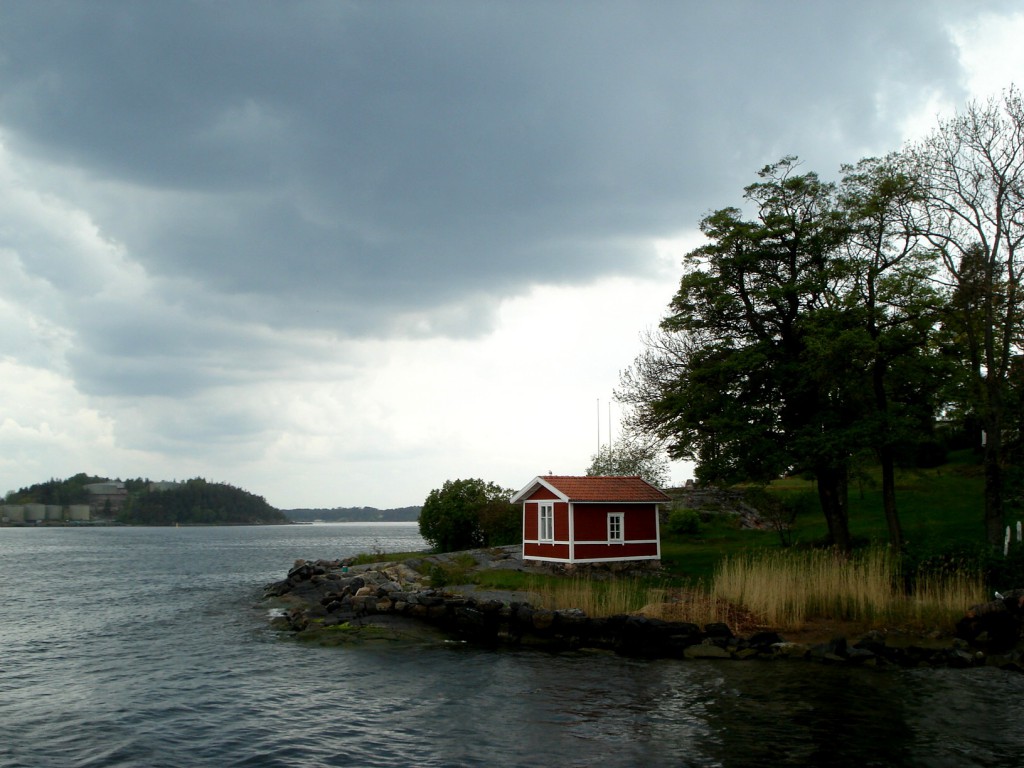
(455, 572)
(683, 522)
(943, 559)
(437, 576)
(781, 511)
(466, 514)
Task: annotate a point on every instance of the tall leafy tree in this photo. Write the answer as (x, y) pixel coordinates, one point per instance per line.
(972, 215)
(888, 293)
(758, 390)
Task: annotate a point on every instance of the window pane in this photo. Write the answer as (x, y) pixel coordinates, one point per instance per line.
(615, 527)
(546, 527)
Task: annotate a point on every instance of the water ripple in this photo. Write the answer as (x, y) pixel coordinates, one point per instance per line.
(149, 647)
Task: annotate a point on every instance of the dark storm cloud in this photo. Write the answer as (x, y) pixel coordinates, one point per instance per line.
(330, 165)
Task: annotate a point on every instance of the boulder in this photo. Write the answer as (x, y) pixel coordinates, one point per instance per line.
(542, 620)
(765, 639)
(718, 630)
(706, 651)
(995, 625)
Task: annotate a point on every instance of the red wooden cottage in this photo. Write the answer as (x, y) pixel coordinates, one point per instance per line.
(590, 519)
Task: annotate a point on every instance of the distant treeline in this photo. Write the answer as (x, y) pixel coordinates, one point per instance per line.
(192, 502)
(64, 492)
(355, 515)
(198, 502)
(195, 502)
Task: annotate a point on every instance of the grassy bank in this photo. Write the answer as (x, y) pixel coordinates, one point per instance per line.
(784, 591)
(748, 578)
(940, 510)
(946, 568)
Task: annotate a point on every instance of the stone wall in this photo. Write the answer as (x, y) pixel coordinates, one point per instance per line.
(716, 501)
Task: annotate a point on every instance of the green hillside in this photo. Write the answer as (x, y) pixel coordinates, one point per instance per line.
(198, 502)
(941, 511)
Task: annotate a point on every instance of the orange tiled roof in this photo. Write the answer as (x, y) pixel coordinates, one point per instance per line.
(605, 488)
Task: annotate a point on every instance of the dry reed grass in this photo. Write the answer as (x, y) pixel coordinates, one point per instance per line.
(598, 598)
(936, 600)
(783, 591)
(786, 590)
(698, 606)
(595, 598)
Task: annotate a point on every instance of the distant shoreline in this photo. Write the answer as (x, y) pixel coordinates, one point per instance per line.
(118, 524)
(353, 515)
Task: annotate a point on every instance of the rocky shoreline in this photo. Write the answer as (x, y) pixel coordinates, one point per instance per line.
(334, 602)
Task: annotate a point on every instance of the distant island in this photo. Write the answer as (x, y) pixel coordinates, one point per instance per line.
(354, 515)
(94, 500)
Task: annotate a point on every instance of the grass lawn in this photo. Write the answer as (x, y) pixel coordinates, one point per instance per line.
(938, 508)
(939, 505)
(695, 557)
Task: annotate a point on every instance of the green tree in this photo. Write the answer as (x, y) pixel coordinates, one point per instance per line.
(198, 501)
(465, 514)
(54, 491)
(800, 339)
(888, 294)
(972, 215)
(631, 456)
(501, 521)
(754, 389)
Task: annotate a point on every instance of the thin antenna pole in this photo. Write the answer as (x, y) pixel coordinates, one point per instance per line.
(609, 425)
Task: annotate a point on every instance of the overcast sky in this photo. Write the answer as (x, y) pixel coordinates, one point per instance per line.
(337, 253)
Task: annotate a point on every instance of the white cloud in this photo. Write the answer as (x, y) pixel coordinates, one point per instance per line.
(991, 52)
(506, 407)
(991, 59)
(48, 430)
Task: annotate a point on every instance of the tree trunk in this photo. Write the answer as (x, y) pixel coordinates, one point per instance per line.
(992, 420)
(994, 521)
(833, 493)
(892, 518)
(885, 457)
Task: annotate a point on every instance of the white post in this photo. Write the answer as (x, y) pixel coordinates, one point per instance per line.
(1006, 542)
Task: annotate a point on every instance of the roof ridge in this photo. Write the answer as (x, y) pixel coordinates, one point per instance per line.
(605, 488)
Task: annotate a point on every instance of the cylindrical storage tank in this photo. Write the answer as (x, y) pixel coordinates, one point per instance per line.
(35, 512)
(14, 513)
(54, 512)
(78, 512)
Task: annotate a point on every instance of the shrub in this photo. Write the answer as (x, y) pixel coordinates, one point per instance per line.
(998, 571)
(464, 514)
(501, 522)
(683, 522)
(780, 511)
(455, 572)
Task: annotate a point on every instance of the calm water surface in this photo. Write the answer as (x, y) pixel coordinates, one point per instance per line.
(150, 647)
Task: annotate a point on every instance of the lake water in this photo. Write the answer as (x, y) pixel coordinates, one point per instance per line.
(150, 647)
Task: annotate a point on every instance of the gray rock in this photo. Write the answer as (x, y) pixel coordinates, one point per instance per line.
(703, 651)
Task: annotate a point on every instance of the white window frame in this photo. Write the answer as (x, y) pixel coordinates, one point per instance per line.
(546, 521)
(616, 528)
